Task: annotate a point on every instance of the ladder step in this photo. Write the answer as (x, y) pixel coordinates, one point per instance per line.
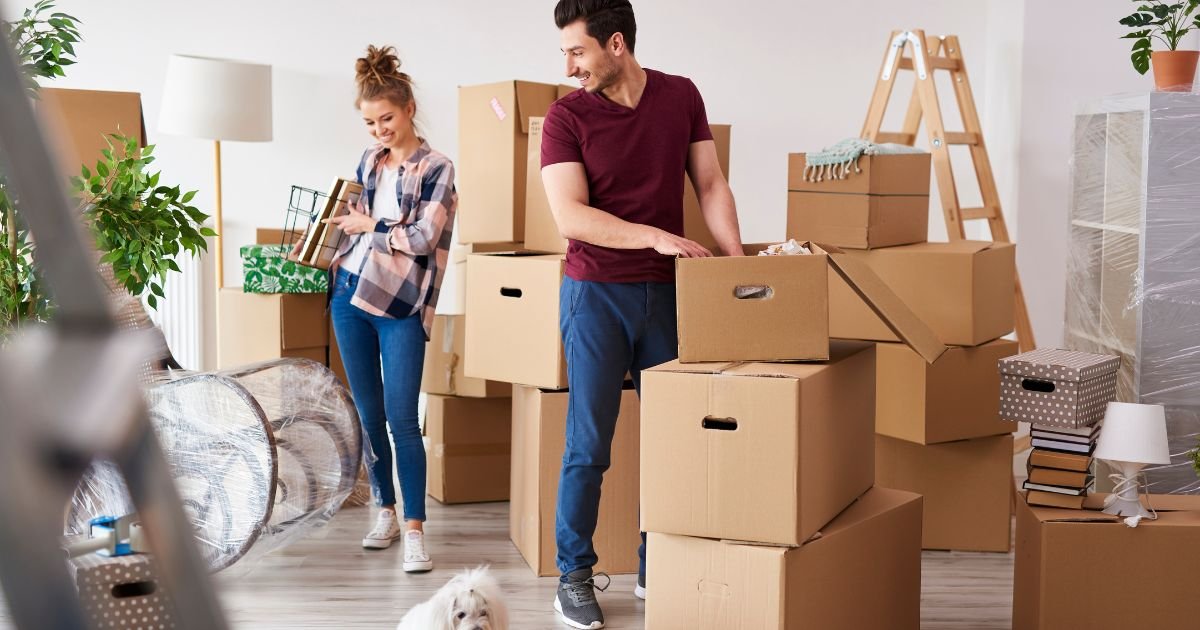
(969, 214)
(884, 137)
(938, 63)
(953, 137)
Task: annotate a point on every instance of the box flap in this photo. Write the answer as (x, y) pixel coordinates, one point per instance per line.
(533, 99)
(694, 368)
(953, 247)
(876, 501)
(886, 304)
(1161, 503)
(838, 350)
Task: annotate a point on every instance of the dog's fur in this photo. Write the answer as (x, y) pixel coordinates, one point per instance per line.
(471, 600)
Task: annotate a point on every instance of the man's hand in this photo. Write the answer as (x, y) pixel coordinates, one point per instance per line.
(670, 245)
(353, 222)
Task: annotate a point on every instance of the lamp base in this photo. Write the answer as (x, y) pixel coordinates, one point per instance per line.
(1121, 506)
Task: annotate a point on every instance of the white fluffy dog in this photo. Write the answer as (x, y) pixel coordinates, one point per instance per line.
(471, 600)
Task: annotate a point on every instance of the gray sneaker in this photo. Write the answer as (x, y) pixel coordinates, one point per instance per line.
(576, 600)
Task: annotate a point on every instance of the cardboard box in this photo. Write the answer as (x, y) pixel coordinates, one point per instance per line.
(863, 573)
(1058, 388)
(886, 204)
(513, 335)
(788, 318)
(765, 452)
(79, 122)
(1086, 569)
(258, 327)
(444, 371)
(963, 290)
(458, 270)
(956, 397)
(538, 440)
(493, 132)
(541, 231)
(967, 487)
(906, 174)
(470, 443)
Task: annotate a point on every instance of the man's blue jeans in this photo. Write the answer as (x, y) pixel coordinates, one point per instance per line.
(385, 393)
(608, 329)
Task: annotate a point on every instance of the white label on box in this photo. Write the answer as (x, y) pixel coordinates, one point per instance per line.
(498, 108)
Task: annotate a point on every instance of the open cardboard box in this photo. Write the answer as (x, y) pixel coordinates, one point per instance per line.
(789, 320)
(1087, 569)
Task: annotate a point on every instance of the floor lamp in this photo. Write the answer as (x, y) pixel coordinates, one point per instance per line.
(217, 99)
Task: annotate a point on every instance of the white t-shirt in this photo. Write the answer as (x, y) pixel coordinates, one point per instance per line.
(386, 207)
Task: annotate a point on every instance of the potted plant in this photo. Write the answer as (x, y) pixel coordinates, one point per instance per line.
(1167, 22)
(139, 225)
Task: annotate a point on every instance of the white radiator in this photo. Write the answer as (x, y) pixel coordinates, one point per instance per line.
(179, 315)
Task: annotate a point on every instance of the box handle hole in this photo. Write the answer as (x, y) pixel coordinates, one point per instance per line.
(753, 292)
(1035, 385)
(512, 293)
(720, 424)
(134, 589)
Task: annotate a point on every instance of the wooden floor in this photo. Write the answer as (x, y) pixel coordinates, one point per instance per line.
(329, 581)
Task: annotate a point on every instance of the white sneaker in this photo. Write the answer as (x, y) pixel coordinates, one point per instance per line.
(416, 559)
(385, 531)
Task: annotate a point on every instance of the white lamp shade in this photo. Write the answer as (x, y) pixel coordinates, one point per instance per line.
(218, 99)
(1134, 433)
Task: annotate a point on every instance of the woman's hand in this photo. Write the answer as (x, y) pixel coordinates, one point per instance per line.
(354, 222)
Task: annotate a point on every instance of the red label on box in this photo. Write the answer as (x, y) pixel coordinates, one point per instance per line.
(498, 108)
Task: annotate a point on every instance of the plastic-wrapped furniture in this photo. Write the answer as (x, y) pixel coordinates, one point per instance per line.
(1133, 278)
(260, 454)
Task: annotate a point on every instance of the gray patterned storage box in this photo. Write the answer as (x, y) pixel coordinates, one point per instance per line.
(1058, 388)
(122, 592)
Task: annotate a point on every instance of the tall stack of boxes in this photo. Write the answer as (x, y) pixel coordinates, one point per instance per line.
(937, 424)
(280, 311)
(757, 458)
(467, 422)
(513, 256)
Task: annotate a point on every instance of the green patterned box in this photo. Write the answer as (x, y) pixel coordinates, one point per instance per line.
(266, 269)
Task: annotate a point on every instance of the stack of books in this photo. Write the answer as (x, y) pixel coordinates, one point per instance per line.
(321, 240)
(1060, 465)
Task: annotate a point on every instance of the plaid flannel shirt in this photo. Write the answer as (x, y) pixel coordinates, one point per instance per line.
(402, 273)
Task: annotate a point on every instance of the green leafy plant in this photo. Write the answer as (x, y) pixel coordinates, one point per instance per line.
(139, 224)
(1167, 22)
(44, 41)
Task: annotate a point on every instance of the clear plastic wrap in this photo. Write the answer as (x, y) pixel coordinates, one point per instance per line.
(1133, 275)
(261, 455)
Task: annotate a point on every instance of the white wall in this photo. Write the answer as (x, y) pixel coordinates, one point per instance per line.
(1072, 55)
(788, 76)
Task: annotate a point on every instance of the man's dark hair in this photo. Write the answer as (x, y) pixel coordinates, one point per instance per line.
(603, 18)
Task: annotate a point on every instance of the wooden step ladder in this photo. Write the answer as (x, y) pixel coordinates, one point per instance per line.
(921, 54)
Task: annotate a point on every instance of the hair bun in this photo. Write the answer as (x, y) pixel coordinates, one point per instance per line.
(379, 65)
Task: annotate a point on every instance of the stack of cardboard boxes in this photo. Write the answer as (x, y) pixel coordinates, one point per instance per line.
(757, 457)
(270, 324)
(510, 268)
(939, 432)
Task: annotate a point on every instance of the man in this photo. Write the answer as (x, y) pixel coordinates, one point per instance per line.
(614, 155)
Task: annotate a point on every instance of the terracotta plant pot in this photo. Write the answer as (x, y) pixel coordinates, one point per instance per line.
(1174, 70)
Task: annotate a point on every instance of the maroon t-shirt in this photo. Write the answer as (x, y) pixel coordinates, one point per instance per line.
(635, 161)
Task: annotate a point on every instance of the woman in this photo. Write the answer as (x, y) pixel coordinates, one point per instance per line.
(387, 274)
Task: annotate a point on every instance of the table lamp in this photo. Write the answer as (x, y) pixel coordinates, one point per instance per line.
(1133, 436)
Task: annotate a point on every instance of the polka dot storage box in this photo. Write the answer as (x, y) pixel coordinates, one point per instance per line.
(1057, 388)
(122, 592)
